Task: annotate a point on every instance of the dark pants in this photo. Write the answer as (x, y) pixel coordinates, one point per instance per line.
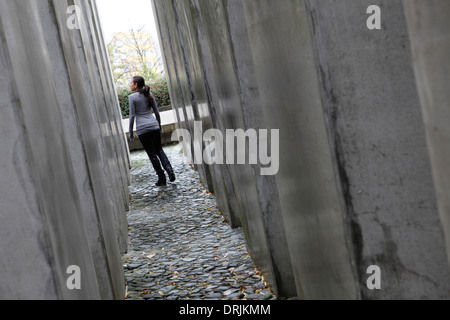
(152, 145)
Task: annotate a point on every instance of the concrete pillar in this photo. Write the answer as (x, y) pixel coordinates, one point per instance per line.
(429, 31)
(119, 139)
(220, 180)
(354, 187)
(102, 113)
(359, 160)
(214, 85)
(51, 14)
(283, 56)
(254, 119)
(376, 126)
(200, 98)
(56, 211)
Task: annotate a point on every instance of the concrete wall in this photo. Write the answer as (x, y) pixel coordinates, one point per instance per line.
(64, 163)
(429, 29)
(213, 89)
(355, 184)
(373, 109)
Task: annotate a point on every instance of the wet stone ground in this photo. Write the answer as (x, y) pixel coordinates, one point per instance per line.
(180, 247)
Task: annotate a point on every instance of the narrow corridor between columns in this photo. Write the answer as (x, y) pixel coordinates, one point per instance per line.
(180, 247)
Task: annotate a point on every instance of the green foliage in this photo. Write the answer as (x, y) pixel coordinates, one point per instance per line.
(159, 89)
(123, 94)
(158, 86)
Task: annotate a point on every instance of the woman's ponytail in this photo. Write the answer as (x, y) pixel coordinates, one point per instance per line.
(148, 94)
(144, 89)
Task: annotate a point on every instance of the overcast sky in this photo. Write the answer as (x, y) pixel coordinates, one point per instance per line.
(123, 15)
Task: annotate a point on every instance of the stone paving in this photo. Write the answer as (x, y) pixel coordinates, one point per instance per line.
(180, 246)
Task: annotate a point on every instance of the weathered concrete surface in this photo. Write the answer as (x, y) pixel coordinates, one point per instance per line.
(376, 130)
(220, 181)
(429, 30)
(64, 166)
(267, 193)
(208, 78)
(229, 115)
(306, 181)
(354, 187)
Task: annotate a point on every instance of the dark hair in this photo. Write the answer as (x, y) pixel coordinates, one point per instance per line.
(144, 89)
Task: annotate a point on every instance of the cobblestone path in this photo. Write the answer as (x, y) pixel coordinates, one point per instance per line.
(180, 247)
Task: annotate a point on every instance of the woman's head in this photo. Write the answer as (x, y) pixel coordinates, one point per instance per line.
(138, 84)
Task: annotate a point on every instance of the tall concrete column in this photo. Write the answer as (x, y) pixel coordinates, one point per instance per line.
(288, 82)
(197, 86)
(48, 215)
(376, 129)
(188, 85)
(429, 31)
(206, 51)
(254, 120)
(355, 188)
(115, 185)
(62, 168)
(352, 126)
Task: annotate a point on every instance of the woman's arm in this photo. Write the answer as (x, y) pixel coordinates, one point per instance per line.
(132, 117)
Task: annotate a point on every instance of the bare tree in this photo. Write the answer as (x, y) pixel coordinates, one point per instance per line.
(134, 53)
(119, 68)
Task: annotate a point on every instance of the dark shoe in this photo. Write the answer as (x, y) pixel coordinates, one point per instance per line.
(172, 176)
(161, 182)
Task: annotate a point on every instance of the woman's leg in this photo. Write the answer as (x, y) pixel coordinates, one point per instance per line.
(156, 136)
(147, 141)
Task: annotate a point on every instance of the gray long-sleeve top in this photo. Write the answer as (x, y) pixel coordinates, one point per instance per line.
(143, 113)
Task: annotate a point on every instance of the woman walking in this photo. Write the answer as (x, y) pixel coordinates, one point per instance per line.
(142, 103)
